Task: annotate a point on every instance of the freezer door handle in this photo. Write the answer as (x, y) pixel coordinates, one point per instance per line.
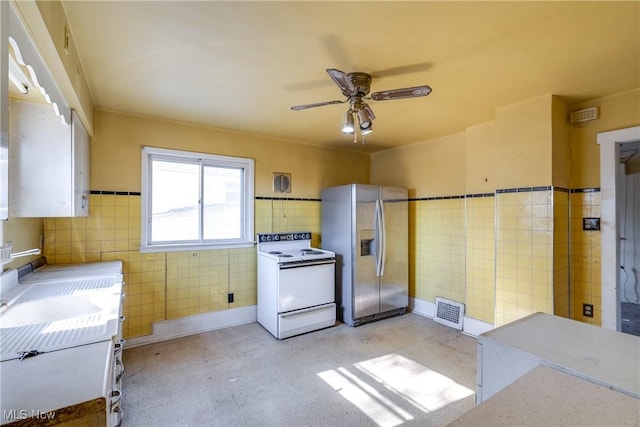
(379, 218)
(383, 243)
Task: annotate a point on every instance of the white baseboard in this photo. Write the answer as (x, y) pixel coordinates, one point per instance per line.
(170, 329)
(470, 326)
(475, 327)
(422, 307)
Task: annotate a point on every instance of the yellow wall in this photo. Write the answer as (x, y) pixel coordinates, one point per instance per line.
(523, 143)
(436, 255)
(116, 150)
(524, 254)
(434, 168)
(585, 257)
(482, 211)
(25, 234)
(480, 159)
(503, 253)
(480, 258)
(523, 250)
(616, 112)
(165, 286)
(561, 162)
(561, 252)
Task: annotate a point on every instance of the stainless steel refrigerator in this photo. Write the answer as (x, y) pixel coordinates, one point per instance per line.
(367, 227)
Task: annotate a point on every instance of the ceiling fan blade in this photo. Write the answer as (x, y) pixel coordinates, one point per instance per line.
(407, 92)
(403, 69)
(317, 104)
(343, 81)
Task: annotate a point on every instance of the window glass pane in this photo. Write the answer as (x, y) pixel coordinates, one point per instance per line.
(222, 200)
(195, 200)
(175, 211)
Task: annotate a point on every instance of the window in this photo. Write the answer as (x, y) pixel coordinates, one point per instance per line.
(195, 201)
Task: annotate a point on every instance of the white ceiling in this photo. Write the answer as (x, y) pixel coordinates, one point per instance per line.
(241, 65)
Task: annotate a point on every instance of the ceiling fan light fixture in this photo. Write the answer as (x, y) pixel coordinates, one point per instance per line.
(348, 126)
(364, 118)
(366, 130)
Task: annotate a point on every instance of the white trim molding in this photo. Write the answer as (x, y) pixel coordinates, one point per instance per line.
(610, 258)
(170, 329)
(470, 326)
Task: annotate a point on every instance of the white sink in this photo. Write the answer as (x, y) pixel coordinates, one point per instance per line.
(55, 308)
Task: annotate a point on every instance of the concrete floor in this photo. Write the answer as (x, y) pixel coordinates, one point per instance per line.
(406, 370)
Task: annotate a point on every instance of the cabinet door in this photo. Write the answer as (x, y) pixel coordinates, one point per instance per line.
(80, 175)
(48, 163)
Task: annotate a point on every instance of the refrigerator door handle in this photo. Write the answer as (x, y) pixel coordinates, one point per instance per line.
(383, 233)
(379, 238)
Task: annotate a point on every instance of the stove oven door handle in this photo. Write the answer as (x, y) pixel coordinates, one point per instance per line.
(305, 310)
(300, 264)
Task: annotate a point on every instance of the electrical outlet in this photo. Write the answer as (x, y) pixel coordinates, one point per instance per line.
(230, 297)
(587, 310)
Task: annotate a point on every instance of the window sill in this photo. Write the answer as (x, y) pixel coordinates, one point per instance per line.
(195, 247)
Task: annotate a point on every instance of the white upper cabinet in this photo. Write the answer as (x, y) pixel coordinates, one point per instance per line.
(48, 163)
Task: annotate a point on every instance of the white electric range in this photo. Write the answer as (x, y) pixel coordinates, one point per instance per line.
(296, 284)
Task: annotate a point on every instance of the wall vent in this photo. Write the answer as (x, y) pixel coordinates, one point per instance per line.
(584, 115)
(449, 313)
(281, 182)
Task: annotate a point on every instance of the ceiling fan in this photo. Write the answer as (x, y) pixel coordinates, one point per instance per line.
(356, 87)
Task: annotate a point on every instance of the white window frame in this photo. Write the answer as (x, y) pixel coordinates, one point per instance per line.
(248, 166)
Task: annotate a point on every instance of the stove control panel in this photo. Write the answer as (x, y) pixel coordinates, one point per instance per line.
(284, 237)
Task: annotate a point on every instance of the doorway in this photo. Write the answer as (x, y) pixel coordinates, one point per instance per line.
(628, 206)
(620, 189)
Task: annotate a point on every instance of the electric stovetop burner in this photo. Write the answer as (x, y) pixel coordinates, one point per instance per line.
(279, 254)
(311, 252)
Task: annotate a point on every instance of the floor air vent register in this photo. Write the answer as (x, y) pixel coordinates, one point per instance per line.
(449, 313)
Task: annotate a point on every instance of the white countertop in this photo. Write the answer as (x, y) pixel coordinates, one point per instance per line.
(596, 354)
(53, 272)
(70, 315)
(25, 325)
(548, 397)
(50, 381)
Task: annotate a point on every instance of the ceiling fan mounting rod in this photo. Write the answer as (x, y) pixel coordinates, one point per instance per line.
(355, 103)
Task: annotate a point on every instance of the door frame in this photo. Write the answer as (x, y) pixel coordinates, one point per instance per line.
(610, 259)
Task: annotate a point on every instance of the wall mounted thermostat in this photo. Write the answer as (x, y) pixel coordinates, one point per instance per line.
(590, 224)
